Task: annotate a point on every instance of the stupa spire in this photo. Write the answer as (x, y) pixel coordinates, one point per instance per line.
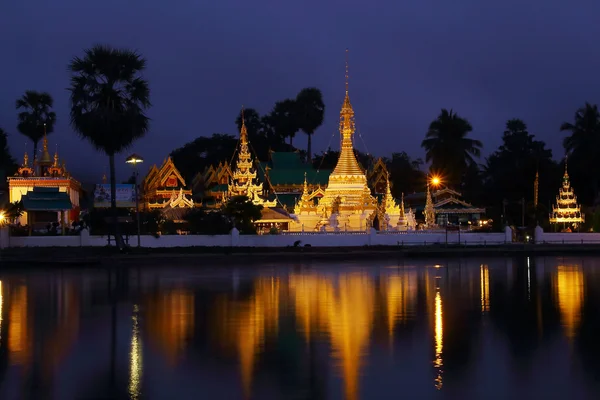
(45, 160)
(347, 163)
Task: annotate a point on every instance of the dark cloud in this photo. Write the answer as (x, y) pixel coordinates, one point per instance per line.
(488, 60)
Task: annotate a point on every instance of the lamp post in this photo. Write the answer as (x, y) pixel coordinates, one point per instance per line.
(135, 160)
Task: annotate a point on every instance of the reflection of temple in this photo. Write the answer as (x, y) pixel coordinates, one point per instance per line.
(165, 190)
(170, 321)
(345, 309)
(242, 326)
(566, 211)
(46, 172)
(569, 291)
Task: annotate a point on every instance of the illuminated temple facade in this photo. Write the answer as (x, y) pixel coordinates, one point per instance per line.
(165, 190)
(566, 211)
(347, 203)
(45, 174)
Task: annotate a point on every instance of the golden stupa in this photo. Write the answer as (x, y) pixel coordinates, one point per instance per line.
(347, 204)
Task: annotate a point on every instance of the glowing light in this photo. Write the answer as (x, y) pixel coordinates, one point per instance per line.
(2, 217)
(439, 337)
(435, 180)
(135, 358)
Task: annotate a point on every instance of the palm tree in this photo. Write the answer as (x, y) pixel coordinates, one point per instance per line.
(447, 146)
(8, 164)
(109, 98)
(36, 111)
(310, 111)
(284, 119)
(582, 146)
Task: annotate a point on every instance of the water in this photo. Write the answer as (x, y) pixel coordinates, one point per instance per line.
(468, 329)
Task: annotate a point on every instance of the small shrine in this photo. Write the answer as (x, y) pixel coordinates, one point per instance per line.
(165, 190)
(566, 211)
(46, 172)
(243, 181)
(394, 215)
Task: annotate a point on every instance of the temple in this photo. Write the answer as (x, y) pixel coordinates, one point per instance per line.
(43, 180)
(165, 190)
(395, 218)
(244, 181)
(566, 211)
(444, 207)
(347, 204)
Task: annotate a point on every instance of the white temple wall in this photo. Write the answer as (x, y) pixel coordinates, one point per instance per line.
(542, 237)
(284, 240)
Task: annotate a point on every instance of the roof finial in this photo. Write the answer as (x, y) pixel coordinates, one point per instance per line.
(347, 76)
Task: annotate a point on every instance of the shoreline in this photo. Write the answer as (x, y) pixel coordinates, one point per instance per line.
(105, 256)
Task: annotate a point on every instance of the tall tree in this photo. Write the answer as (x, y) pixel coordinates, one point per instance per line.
(583, 148)
(252, 120)
(448, 146)
(310, 110)
(405, 174)
(510, 171)
(35, 111)
(109, 98)
(8, 165)
(284, 119)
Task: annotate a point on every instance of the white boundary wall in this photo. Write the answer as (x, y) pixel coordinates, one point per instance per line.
(342, 239)
(542, 237)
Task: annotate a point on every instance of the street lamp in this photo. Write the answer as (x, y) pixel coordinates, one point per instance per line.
(135, 160)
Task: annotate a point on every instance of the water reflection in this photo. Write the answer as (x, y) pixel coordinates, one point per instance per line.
(135, 357)
(569, 287)
(460, 328)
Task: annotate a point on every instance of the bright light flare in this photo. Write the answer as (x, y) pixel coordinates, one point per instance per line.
(435, 180)
(2, 218)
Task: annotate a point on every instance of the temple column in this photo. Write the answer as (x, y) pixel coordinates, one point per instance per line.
(62, 222)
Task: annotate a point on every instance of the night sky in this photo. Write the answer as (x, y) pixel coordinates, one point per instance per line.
(488, 60)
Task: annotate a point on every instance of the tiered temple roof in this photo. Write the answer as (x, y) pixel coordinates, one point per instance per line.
(165, 187)
(566, 210)
(244, 182)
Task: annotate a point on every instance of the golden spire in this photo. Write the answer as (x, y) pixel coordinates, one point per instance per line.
(305, 191)
(56, 157)
(104, 180)
(429, 210)
(45, 154)
(402, 205)
(347, 163)
(25, 160)
(243, 130)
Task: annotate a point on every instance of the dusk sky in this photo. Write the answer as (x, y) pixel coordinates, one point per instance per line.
(488, 60)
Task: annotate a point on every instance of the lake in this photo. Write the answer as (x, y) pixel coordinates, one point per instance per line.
(417, 329)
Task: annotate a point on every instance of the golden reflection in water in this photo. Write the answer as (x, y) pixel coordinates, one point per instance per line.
(485, 287)
(135, 357)
(260, 314)
(439, 337)
(19, 346)
(344, 309)
(62, 338)
(569, 285)
(241, 325)
(170, 321)
(400, 293)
